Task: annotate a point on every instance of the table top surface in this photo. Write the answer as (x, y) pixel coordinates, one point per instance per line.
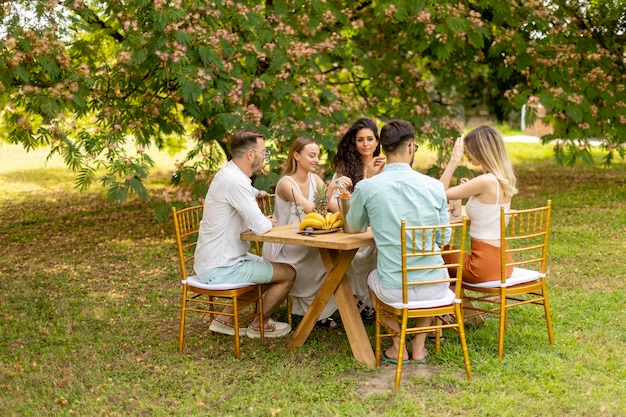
(336, 240)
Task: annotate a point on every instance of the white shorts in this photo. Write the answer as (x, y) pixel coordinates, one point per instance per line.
(415, 293)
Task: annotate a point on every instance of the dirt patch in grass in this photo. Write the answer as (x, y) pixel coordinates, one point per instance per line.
(383, 381)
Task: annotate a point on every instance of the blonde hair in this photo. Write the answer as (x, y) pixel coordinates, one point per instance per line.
(487, 147)
(291, 166)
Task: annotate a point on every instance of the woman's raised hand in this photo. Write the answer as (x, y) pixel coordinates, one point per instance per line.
(459, 149)
(375, 166)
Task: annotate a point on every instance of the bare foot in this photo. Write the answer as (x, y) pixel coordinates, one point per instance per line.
(419, 354)
(392, 352)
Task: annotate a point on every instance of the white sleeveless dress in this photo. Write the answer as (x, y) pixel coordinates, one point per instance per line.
(363, 263)
(310, 272)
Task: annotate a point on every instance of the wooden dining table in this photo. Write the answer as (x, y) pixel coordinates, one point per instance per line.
(337, 250)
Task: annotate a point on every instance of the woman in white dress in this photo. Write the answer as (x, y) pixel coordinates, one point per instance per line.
(298, 185)
(358, 158)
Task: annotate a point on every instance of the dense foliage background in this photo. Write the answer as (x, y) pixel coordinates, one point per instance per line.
(101, 80)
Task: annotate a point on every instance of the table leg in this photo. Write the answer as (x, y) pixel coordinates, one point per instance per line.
(336, 266)
(353, 324)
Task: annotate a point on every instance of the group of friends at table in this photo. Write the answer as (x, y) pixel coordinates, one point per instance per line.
(383, 189)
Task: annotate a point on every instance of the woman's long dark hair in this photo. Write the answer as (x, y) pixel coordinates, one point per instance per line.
(348, 159)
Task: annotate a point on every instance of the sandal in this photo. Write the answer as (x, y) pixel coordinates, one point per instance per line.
(433, 338)
(327, 323)
(367, 313)
(385, 358)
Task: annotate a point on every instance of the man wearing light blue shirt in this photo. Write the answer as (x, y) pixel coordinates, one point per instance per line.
(381, 202)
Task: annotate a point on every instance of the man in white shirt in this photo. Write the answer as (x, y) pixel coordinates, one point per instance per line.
(230, 208)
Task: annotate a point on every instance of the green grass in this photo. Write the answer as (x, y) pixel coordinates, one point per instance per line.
(89, 311)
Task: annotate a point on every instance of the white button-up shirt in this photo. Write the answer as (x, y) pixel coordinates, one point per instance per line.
(230, 208)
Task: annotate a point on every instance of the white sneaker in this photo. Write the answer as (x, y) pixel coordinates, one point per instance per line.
(219, 327)
(272, 329)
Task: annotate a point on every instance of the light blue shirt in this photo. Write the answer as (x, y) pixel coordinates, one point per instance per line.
(383, 200)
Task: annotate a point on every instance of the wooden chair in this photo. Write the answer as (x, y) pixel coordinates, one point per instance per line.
(208, 298)
(418, 245)
(266, 204)
(523, 235)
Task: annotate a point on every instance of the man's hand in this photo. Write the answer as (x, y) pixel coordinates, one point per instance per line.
(342, 184)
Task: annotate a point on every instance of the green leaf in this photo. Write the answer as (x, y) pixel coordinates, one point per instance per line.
(575, 113)
(162, 211)
(457, 24)
(191, 90)
(50, 66)
(71, 155)
(139, 56)
(137, 186)
(22, 73)
(117, 193)
(183, 37)
(476, 38)
(85, 178)
(159, 21)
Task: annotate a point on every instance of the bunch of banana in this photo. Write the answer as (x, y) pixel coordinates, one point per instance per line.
(317, 221)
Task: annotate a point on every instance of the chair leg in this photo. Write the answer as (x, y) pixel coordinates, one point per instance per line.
(438, 332)
(546, 308)
(377, 337)
(181, 331)
(503, 318)
(289, 320)
(261, 316)
(211, 308)
(236, 325)
(468, 368)
(401, 350)
(470, 312)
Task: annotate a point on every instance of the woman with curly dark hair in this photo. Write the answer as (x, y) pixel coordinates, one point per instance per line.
(358, 158)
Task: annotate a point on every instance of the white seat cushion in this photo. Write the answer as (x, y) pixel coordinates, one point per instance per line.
(448, 299)
(193, 281)
(519, 276)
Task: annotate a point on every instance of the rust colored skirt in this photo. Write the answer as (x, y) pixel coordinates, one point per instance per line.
(482, 264)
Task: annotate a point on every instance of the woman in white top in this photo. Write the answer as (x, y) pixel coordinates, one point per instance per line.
(486, 193)
(299, 182)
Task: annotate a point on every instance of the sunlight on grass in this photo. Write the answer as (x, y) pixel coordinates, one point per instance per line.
(15, 158)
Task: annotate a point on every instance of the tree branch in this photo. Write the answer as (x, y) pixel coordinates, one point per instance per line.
(90, 17)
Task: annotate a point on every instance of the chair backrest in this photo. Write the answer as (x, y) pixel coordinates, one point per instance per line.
(431, 248)
(266, 204)
(186, 226)
(524, 235)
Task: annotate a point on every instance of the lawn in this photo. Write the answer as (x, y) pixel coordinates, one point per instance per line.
(89, 312)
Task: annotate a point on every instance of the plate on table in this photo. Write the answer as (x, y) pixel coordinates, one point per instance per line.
(320, 231)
